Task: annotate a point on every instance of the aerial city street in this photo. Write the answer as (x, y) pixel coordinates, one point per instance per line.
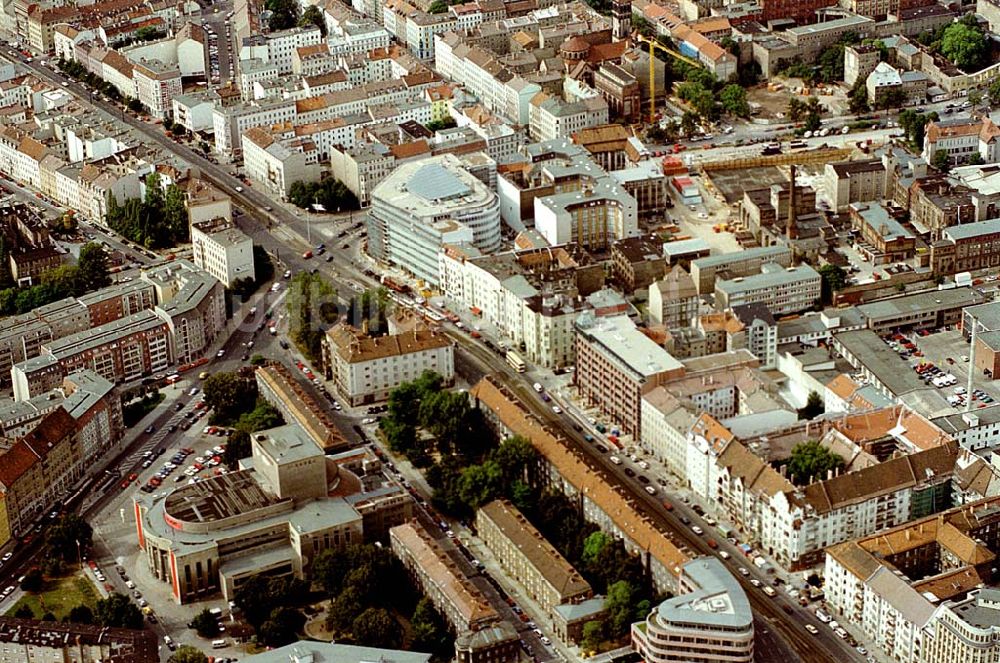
(499, 331)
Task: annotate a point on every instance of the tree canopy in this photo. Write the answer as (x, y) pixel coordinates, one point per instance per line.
(376, 627)
(159, 221)
(228, 394)
(965, 45)
(69, 537)
(811, 461)
(205, 624)
(188, 654)
(284, 13)
(734, 101)
(312, 305)
(313, 15)
(118, 611)
(331, 193)
(834, 278)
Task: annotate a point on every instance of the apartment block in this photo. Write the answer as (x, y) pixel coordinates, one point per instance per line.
(922, 591)
(565, 469)
(526, 556)
(532, 296)
(636, 262)
(794, 523)
(365, 369)
(29, 640)
(279, 388)
(37, 470)
(451, 591)
(222, 250)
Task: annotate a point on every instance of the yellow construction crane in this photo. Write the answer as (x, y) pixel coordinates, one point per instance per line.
(653, 44)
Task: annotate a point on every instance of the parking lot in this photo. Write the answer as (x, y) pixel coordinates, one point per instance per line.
(941, 359)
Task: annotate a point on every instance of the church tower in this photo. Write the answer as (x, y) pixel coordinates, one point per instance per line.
(621, 19)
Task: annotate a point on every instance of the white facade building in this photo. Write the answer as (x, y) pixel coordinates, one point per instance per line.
(425, 204)
(222, 250)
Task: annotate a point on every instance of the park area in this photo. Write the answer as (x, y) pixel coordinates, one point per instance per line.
(58, 596)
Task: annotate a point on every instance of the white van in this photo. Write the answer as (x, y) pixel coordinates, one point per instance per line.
(537, 387)
(219, 644)
(615, 459)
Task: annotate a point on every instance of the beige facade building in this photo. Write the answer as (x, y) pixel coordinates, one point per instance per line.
(451, 591)
(673, 300)
(365, 369)
(524, 553)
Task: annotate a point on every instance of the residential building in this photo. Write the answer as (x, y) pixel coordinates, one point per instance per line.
(222, 250)
(278, 164)
(193, 305)
(705, 271)
(615, 364)
(526, 556)
(922, 591)
(28, 640)
(451, 591)
(37, 470)
(279, 388)
(366, 368)
(274, 519)
(120, 351)
(564, 468)
(157, 83)
(960, 139)
(783, 290)
(709, 620)
(551, 117)
(759, 334)
(665, 423)
(55, 440)
(532, 296)
(426, 204)
(673, 300)
(905, 88)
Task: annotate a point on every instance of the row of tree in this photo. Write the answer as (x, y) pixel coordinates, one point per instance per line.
(76, 70)
(158, 221)
(312, 307)
(270, 605)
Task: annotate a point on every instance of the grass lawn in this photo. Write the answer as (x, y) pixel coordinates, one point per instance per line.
(59, 596)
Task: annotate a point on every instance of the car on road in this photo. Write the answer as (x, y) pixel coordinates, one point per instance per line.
(7, 556)
(557, 409)
(809, 627)
(650, 490)
(743, 572)
(770, 591)
(150, 429)
(697, 530)
(220, 354)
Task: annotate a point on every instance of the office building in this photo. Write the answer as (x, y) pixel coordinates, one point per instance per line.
(783, 290)
(426, 204)
(748, 262)
(615, 364)
(365, 369)
(709, 620)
